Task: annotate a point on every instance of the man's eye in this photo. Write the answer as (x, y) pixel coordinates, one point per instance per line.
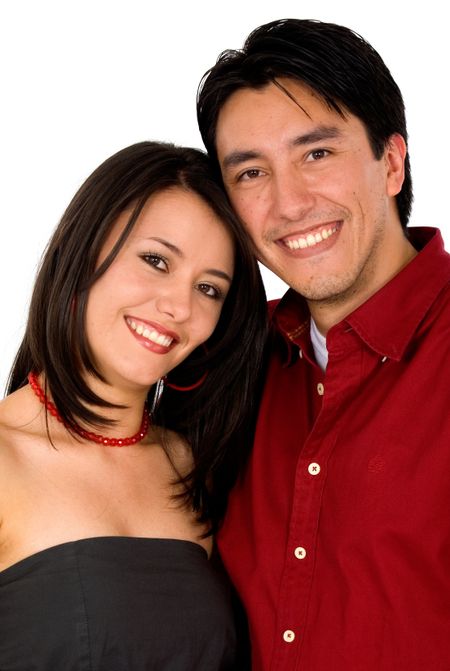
(252, 173)
(317, 154)
(156, 260)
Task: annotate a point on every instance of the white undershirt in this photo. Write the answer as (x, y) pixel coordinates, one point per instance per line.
(319, 343)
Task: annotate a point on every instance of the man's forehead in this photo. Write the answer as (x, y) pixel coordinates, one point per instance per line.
(286, 108)
(295, 90)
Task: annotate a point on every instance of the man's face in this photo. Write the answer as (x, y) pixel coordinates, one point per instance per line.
(319, 207)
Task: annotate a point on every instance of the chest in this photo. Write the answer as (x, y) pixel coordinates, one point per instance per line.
(56, 496)
(343, 511)
(366, 421)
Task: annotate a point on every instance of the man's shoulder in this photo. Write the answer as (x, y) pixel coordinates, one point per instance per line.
(439, 313)
(272, 305)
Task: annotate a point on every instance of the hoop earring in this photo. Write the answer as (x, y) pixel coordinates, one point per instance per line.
(159, 388)
(190, 387)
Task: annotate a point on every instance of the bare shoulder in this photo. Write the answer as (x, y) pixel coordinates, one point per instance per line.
(16, 422)
(19, 422)
(18, 408)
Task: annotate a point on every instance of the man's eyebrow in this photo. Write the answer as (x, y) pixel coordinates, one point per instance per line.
(236, 158)
(317, 135)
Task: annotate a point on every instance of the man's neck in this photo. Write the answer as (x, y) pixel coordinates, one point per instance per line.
(327, 313)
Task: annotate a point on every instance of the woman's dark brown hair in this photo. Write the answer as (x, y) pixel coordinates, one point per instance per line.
(216, 417)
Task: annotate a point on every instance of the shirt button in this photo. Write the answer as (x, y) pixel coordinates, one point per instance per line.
(314, 469)
(300, 553)
(320, 389)
(288, 636)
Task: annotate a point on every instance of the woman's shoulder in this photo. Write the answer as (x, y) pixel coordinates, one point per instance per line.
(14, 409)
(20, 421)
(15, 423)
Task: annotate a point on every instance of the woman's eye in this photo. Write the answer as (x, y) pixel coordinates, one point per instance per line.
(156, 260)
(209, 290)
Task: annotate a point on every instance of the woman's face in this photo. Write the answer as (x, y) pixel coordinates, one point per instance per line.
(162, 295)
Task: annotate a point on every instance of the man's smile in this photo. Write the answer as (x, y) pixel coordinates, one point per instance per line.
(312, 237)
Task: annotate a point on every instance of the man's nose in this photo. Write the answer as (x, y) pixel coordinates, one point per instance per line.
(292, 197)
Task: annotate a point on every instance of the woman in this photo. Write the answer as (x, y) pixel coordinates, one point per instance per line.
(107, 513)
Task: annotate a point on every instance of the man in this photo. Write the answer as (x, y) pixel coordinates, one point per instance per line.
(338, 535)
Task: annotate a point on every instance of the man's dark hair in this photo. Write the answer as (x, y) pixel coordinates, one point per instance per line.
(211, 417)
(332, 60)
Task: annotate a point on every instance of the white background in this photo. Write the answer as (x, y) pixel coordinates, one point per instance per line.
(82, 79)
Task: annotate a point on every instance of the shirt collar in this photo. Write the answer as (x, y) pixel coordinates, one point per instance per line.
(387, 321)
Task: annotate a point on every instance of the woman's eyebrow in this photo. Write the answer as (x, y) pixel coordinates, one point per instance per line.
(173, 248)
(176, 250)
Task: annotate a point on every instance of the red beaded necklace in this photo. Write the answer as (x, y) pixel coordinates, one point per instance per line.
(88, 435)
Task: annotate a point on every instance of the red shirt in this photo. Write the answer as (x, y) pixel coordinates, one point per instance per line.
(338, 535)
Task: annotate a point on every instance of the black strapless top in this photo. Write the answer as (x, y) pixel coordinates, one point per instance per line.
(116, 604)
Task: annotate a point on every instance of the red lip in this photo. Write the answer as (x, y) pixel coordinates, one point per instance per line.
(154, 326)
(149, 344)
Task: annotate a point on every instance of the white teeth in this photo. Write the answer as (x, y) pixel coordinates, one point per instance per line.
(311, 239)
(150, 334)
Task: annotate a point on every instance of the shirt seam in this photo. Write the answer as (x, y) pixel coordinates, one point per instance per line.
(86, 618)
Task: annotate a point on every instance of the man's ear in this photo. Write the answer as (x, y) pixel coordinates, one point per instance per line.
(394, 156)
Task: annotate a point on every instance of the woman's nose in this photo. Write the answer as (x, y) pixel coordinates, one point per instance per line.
(176, 302)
